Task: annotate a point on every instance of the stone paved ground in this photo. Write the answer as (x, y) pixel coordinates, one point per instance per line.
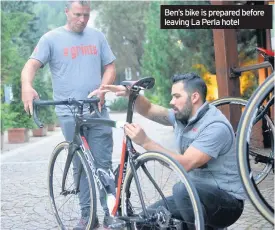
(24, 196)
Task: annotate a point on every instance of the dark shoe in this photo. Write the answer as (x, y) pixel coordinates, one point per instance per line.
(96, 225)
(110, 222)
(83, 222)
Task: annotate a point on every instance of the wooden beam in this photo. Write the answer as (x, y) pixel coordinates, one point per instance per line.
(226, 56)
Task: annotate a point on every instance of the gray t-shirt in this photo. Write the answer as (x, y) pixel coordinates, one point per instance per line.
(75, 60)
(210, 132)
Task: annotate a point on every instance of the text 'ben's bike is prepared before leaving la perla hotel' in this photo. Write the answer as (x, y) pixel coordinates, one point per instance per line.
(216, 17)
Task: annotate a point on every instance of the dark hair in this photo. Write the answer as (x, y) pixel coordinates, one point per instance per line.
(192, 83)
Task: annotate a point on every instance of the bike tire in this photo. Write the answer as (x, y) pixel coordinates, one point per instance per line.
(242, 102)
(63, 147)
(228, 101)
(170, 162)
(243, 134)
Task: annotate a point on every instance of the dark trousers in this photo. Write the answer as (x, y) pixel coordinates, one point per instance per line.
(220, 209)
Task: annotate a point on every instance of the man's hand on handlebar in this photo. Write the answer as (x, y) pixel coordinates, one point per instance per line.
(28, 95)
(101, 95)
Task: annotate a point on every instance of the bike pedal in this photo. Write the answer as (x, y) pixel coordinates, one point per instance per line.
(120, 225)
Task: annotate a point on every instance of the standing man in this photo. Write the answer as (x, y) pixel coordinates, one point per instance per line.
(206, 143)
(76, 55)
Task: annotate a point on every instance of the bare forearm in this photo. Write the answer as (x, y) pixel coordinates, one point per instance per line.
(27, 75)
(142, 105)
(109, 75)
(153, 146)
(153, 112)
(29, 71)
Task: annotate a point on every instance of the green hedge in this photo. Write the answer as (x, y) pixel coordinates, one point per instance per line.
(120, 104)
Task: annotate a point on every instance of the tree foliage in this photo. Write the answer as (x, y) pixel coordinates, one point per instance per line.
(124, 26)
(134, 34)
(159, 58)
(169, 52)
(11, 59)
(13, 21)
(23, 23)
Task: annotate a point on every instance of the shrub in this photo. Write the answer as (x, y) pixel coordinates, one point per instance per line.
(119, 104)
(47, 115)
(10, 118)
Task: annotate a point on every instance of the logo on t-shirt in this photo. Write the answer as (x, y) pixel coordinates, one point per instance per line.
(76, 51)
(195, 130)
(35, 50)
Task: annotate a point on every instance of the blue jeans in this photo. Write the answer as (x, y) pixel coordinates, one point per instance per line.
(220, 209)
(100, 140)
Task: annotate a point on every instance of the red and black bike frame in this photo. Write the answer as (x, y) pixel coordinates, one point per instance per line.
(128, 151)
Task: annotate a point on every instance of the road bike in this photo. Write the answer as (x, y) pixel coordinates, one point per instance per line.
(142, 179)
(256, 157)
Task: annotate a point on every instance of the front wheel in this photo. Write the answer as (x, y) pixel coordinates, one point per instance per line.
(157, 175)
(66, 204)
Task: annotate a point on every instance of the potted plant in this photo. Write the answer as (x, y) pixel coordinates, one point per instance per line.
(2, 133)
(3, 121)
(57, 124)
(50, 119)
(17, 123)
(3, 117)
(40, 132)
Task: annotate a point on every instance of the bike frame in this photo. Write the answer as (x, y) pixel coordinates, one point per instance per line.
(128, 155)
(80, 142)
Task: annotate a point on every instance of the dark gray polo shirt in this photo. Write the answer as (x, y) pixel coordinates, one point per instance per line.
(210, 132)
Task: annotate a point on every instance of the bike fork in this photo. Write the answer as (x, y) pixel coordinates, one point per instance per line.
(71, 152)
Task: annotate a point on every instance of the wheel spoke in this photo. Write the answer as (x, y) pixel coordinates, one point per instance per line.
(66, 207)
(166, 176)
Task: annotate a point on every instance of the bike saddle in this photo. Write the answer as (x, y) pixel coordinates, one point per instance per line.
(265, 52)
(144, 83)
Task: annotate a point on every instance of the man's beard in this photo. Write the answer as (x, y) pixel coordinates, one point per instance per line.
(184, 115)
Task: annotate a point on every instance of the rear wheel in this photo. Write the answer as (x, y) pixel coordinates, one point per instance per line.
(65, 205)
(158, 174)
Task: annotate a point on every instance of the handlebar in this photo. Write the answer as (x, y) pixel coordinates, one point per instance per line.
(71, 101)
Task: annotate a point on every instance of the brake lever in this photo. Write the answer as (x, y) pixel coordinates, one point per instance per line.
(95, 108)
(35, 117)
